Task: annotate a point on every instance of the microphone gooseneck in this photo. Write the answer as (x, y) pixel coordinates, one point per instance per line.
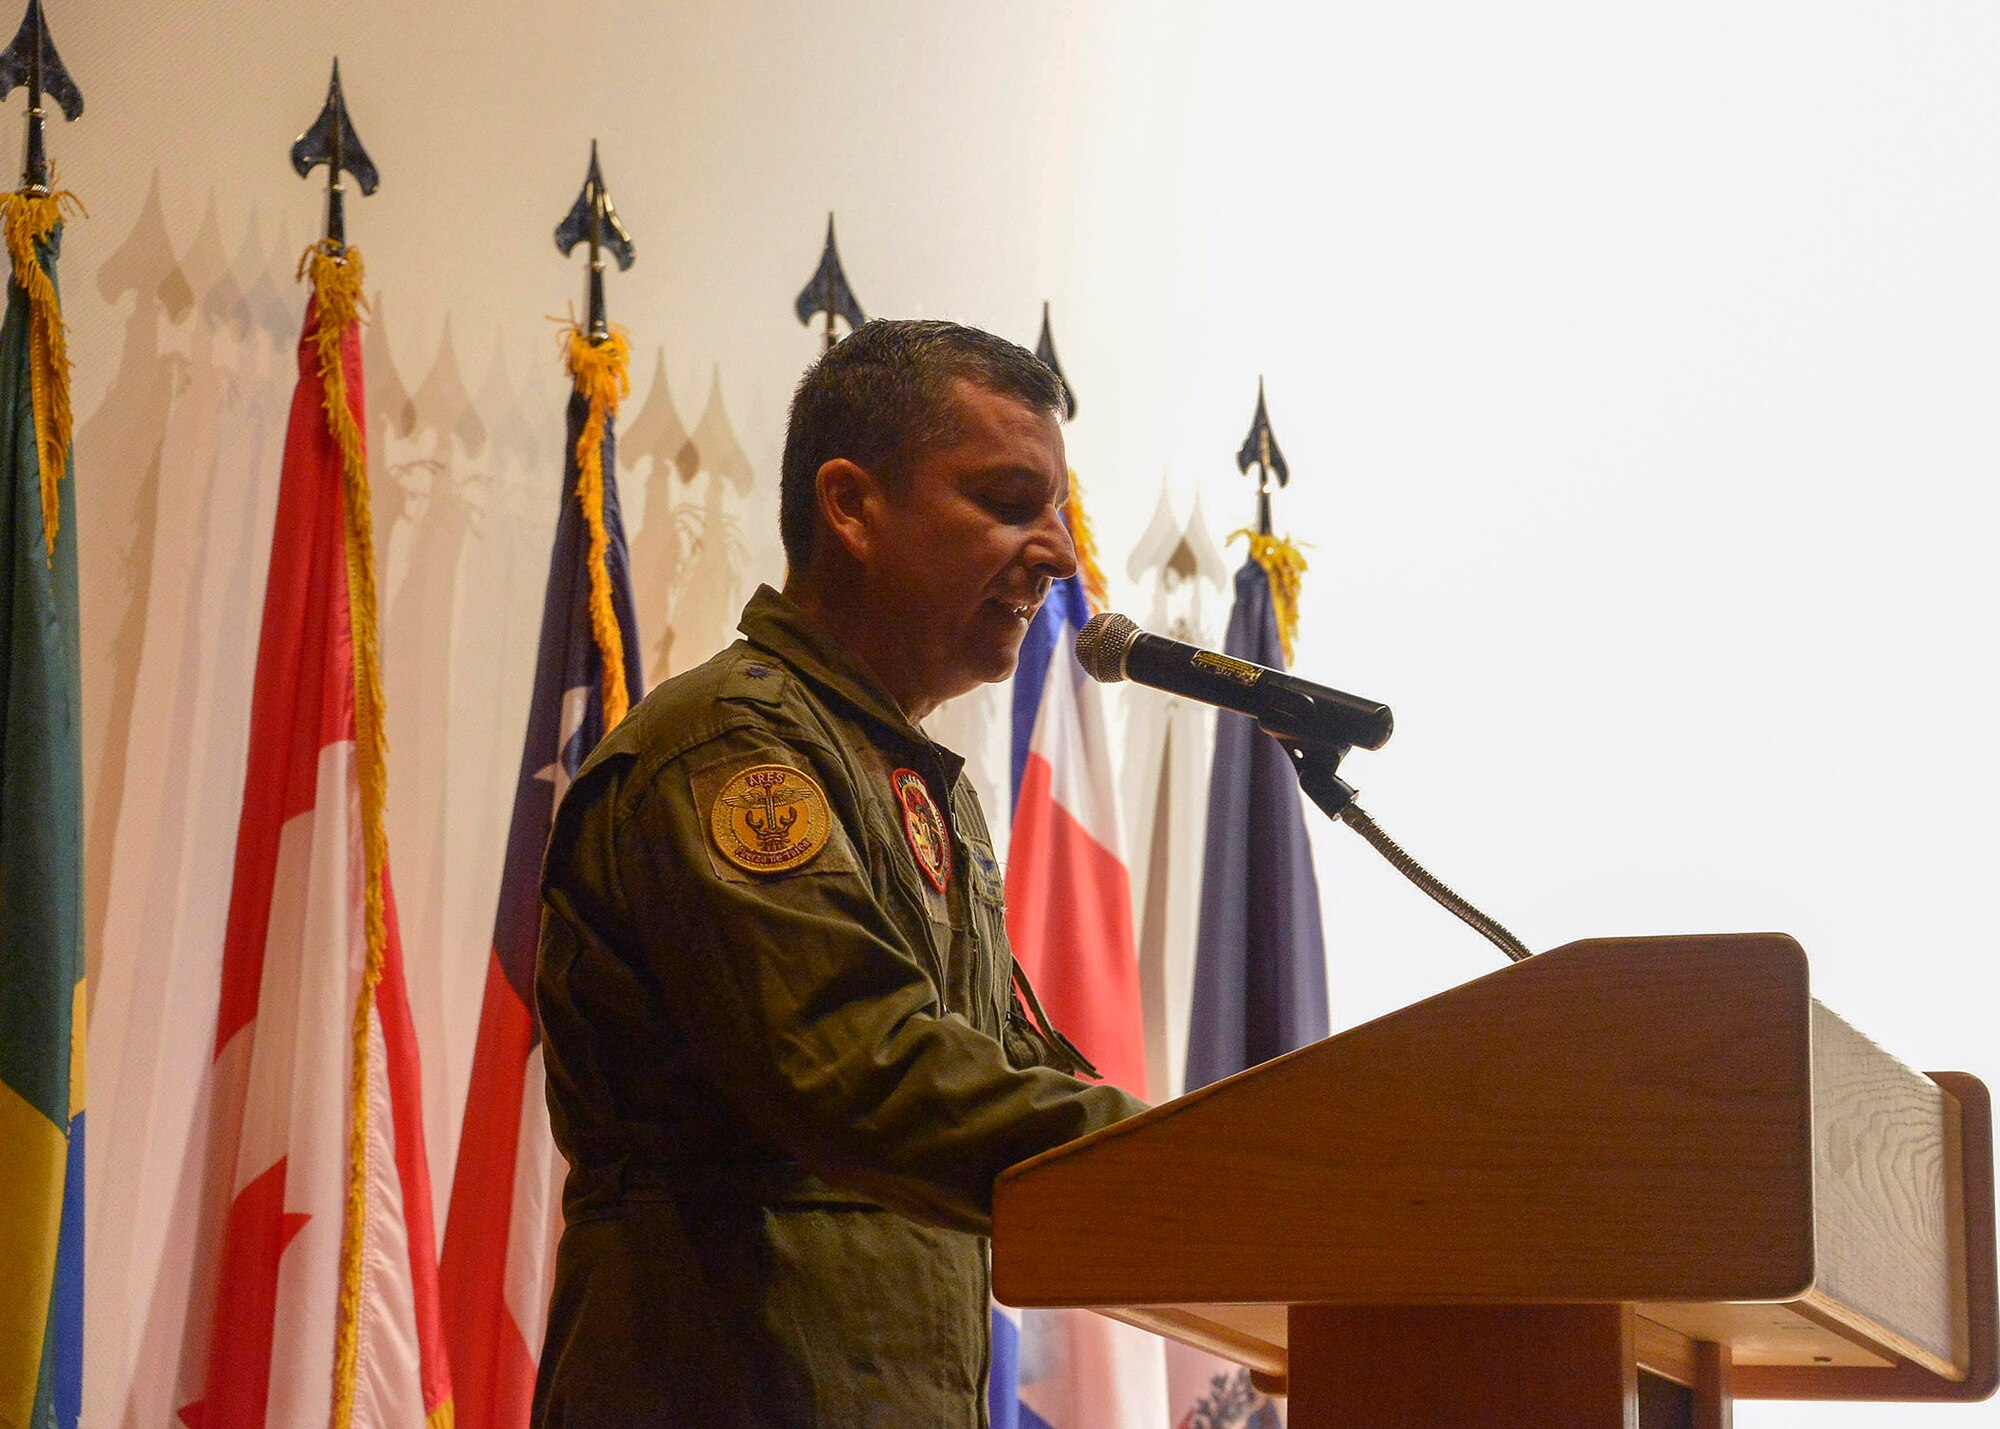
(1314, 724)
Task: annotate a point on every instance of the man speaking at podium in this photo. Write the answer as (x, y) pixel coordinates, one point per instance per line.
(786, 1056)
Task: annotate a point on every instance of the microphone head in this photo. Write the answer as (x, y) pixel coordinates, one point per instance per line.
(1102, 644)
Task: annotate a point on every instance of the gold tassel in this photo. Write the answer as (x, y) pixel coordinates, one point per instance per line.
(337, 304)
(600, 371)
(1085, 541)
(30, 219)
(1284, 563)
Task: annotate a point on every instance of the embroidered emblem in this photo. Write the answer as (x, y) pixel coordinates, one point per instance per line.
(924, 826)
(769, 817)
(988, 881)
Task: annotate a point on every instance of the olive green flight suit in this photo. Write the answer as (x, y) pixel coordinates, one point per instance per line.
(783, 1095)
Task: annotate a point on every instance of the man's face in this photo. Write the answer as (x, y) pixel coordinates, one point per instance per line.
(961, 555)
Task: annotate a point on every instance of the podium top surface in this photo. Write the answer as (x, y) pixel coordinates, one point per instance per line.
(1670, 1122)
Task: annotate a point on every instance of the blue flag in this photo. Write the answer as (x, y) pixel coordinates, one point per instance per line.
(1260, 955)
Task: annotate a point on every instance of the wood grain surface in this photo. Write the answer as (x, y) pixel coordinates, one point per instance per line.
(1446, 1367)
(1904, 1380)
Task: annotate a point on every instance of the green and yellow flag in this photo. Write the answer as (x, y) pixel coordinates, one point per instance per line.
(41, 844)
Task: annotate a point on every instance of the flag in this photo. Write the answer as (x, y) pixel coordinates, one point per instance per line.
(1260, 953)
(1069, 896)
(41, 844)
(1069, 918)
(506, 1197)
(315, 1286)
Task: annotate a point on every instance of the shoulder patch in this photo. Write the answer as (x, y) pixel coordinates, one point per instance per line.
(769, 817)
(924, 826)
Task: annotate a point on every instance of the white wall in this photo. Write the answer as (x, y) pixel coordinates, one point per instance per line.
(1635, 366)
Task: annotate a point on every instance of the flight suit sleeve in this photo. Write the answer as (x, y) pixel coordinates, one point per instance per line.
(815, 1010)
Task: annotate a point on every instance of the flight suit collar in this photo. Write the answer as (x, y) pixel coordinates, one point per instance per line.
(772, 623)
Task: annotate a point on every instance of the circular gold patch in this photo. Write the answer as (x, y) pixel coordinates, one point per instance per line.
(770, 817)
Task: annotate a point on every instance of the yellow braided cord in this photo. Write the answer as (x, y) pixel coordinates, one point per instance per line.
(1284, 563)
(599, 370)
(30, 219)
(337, 300)
(1086, 548)
(442, 1417)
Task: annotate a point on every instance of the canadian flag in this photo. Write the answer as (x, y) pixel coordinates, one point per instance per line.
(315, 1287)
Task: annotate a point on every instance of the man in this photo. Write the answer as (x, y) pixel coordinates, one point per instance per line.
(785, 1053)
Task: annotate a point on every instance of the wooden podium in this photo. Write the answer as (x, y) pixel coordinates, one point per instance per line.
(1628, 1169)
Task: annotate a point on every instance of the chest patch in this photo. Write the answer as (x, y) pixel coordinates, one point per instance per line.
(769, 817)
(924, 826)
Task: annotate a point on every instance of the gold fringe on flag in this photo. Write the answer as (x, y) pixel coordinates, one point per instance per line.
(1086, 548)
(1284, 563)
(599, 370)
(29, 220)
(338, 304)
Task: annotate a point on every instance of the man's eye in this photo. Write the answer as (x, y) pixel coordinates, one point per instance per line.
(1013, 511)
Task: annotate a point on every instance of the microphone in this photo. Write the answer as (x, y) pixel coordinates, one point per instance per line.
(1111, 648)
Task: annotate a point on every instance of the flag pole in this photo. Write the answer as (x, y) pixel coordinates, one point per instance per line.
(1283, 562)
(332, 141)
(827, 293)
(599, 360)
(1088, 566)
(32, 60)
(593, 219)
(34, 215)
(1260, 449)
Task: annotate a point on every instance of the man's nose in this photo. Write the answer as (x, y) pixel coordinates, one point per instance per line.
(1055, 549)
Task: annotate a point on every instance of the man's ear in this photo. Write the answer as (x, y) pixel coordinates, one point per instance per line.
(846, 495)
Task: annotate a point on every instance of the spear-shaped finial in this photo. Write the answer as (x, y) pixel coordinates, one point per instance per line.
(827, 292)
(592, 219)
(32, 60)
(1260, 449)
(333, 142)
(1045, 348)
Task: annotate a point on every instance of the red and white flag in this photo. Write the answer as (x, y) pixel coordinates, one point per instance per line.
(1069, 918)
(315, 1287)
